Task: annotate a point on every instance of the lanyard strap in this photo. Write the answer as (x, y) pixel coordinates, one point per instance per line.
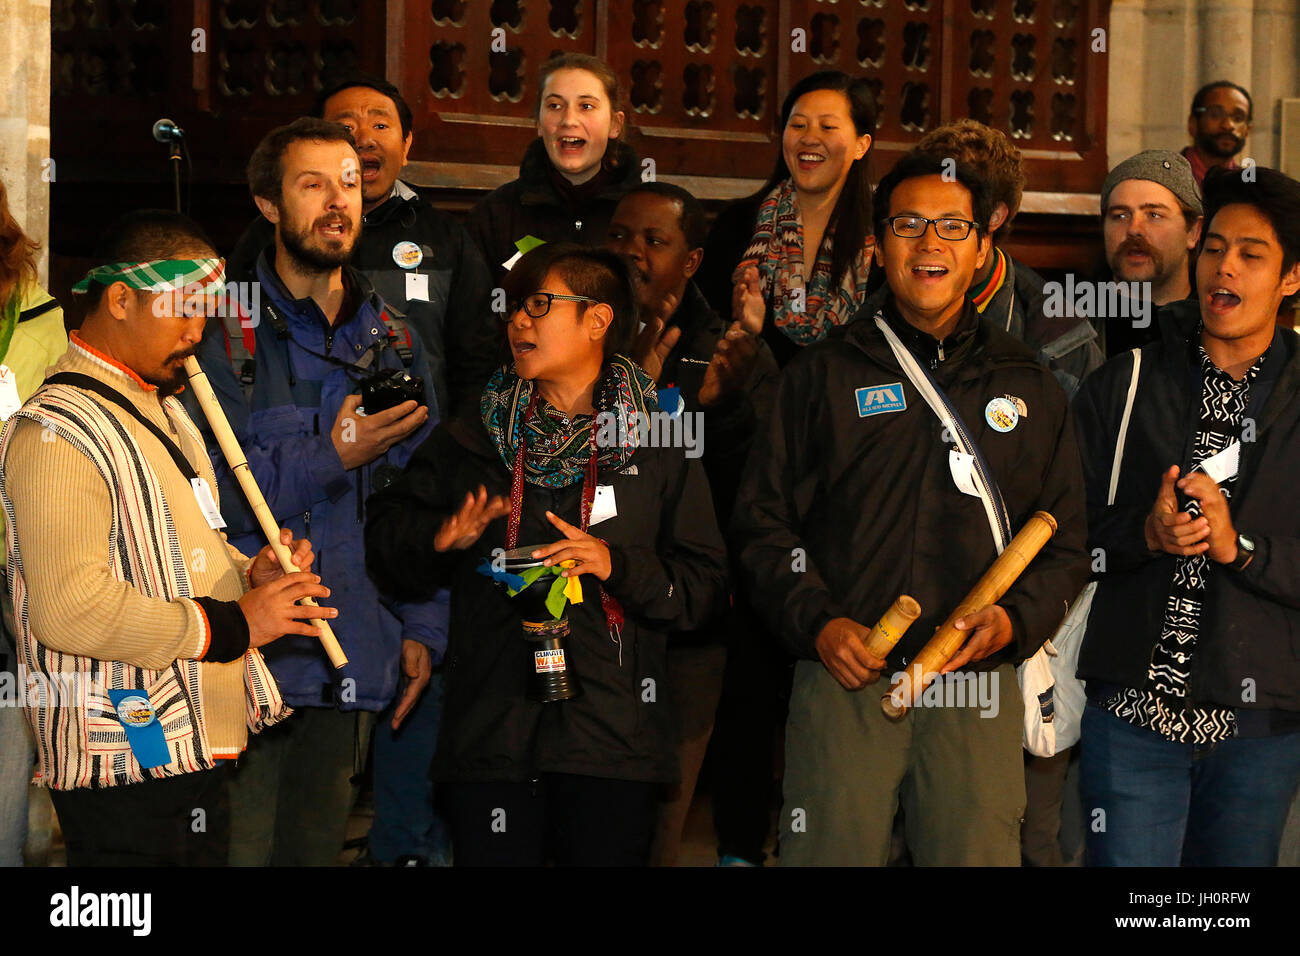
(79, 380)
(995, 508)
(613, 610)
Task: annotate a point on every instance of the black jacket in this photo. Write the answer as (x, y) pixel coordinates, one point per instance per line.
(532, 205)
(1250, 623)
(669, 574)
(1065, 344)
(729, 427)
(839, 514)
(461, 335)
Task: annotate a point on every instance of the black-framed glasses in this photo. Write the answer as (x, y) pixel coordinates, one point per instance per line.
(537, 304)
(910, 227)
(1218, 113)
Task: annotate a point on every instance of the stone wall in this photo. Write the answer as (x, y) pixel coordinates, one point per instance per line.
(25, 116)
(1162, 51)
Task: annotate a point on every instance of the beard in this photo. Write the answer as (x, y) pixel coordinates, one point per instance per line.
(167, 380)
(311, 254)
(1208, 143)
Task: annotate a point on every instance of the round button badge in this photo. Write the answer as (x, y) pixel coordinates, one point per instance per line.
(135, 711)
(407, 254)
(1001, 414)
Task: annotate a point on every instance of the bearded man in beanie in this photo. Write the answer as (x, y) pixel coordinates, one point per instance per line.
(1150, 223)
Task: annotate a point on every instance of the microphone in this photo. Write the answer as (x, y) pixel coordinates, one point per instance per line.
(165, 131)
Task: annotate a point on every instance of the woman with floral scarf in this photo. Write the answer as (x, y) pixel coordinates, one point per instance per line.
(557, 462)
(792, 260)
(790, 263)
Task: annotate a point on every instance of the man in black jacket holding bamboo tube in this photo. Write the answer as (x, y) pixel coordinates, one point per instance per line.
(853, 496)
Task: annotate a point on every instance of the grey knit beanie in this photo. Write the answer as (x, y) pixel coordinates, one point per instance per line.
(1161, 166)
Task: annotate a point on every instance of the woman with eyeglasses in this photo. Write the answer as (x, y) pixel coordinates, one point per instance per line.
(792, 260)
(555, 470)
(572, 176)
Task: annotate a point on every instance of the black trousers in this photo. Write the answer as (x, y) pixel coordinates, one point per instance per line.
(560, 818)
(176, 821)
(742, 753)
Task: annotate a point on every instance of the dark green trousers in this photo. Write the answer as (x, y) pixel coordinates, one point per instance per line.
(293, 789)
(956, 770)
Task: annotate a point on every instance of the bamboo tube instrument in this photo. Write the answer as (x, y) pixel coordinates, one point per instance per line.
(925, 667)
(893, 624)
(238, 463)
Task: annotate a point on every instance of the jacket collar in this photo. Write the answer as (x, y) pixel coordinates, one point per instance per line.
(1180, 328)
(398, 199)
(535, 175)
(972, 339)
(366, 304)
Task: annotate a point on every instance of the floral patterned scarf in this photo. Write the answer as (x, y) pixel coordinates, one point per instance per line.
(777, 251)
(558, 448)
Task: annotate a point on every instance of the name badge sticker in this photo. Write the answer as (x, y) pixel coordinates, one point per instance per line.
(417, 287)
(877, 399)
(603, 506)
(962, 467)
(1224, 465)
(207, 504)
(9, 401)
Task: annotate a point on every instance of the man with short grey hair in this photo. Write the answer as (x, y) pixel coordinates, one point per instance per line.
(1151, 221)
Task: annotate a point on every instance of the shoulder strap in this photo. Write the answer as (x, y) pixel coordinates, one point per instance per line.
(1123, 427)
(28, 314)
(78, 380)
(399, 335)
(994, 507)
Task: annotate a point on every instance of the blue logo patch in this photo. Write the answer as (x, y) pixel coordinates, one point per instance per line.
(874, 399)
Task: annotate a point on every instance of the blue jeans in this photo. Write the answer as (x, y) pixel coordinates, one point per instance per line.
(15, 762)
(405, 822)
(1150, 802)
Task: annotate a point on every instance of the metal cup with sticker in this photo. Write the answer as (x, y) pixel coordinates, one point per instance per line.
(550, 677)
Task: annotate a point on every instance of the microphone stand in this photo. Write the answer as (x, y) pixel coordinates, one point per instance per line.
(175, 159)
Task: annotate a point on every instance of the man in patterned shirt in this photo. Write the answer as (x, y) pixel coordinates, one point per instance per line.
(1191, 737)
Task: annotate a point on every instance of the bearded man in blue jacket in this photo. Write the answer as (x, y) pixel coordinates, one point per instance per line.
(319, 330)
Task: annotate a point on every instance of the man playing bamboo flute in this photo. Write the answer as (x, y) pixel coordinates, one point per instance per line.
(138, 625)
(854, 495)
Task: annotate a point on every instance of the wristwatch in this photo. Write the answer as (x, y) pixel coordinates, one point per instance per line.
(1245, 553)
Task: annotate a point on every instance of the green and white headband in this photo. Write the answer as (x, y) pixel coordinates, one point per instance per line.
(160, 275)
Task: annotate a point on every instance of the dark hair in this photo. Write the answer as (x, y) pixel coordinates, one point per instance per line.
(143, 235)
(350, 80)
(693, 220)
(1273, 194)
(17, 253)
(989, 152)
(591, 271)
(1198, 100)
(918, 163)
(266, 165)
(852, 215)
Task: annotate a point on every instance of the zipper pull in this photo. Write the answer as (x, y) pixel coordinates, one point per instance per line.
(941, 355)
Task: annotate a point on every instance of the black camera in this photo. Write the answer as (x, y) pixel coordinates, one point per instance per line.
(390, 387)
